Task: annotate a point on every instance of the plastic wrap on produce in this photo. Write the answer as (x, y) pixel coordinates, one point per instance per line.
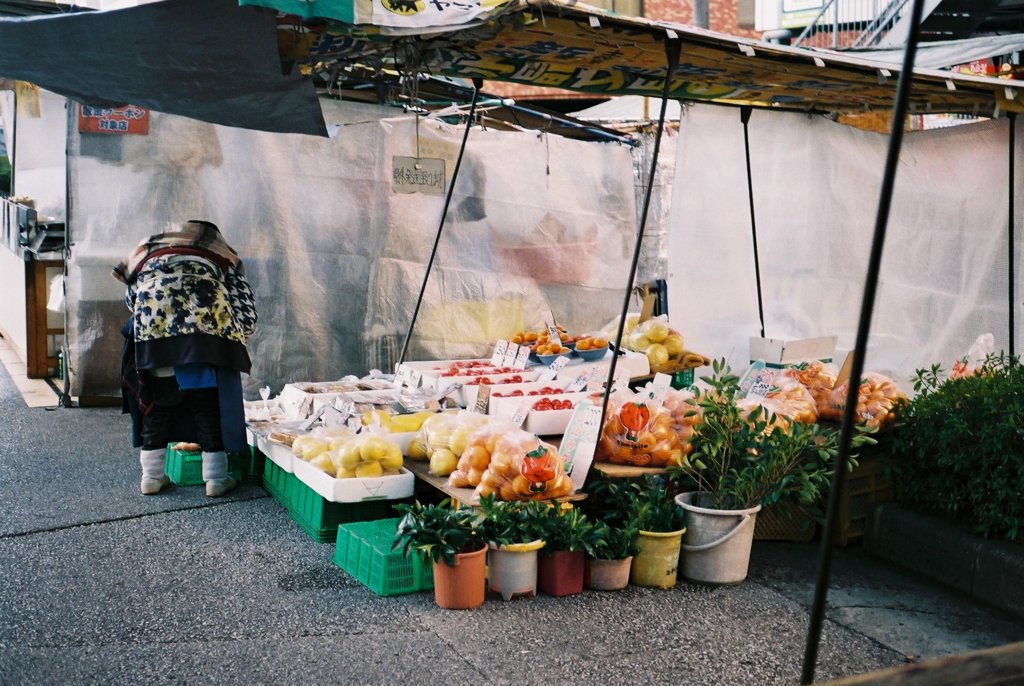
(335, 257)
(944, 271)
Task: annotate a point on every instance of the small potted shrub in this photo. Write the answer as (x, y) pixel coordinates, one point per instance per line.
(514, 534)
(660, 524)
(568, 534)
(741, 461)
(610, 556)
(453, 540)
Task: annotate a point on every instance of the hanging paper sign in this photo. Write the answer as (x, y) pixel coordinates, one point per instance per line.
(425, 13)
(417, 175)
(498, 356)
(127, 119)
(580, 442)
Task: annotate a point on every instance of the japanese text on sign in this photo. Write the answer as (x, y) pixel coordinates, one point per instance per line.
(127, 119)
(417, 175)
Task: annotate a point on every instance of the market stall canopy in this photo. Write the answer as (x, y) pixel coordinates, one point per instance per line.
(205, 59)
(559, 43)
(940, 54)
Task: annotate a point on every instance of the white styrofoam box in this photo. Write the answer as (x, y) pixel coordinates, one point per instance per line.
(250, 437)
(504, 408)
(463, 395)
(777, 351)
(389, 487)
(471, 392)
(435, 367)
(383, 397)
(278, 453)
(548, 422)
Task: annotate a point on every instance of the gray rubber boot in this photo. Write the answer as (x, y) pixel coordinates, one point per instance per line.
(154, 479)
(215, 474)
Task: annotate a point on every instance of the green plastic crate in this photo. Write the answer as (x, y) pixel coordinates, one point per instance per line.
(363, 549)
(320, 518)
(277, 482)
(186, 469)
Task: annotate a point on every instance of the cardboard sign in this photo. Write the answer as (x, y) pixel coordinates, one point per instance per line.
(417, 175)
(483, 399)
(552, 371)
(498, 356)
(844, 373)
(522, 358)
(118, 120)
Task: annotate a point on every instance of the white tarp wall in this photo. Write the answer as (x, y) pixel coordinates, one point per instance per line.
(944, 274)
(335, 257)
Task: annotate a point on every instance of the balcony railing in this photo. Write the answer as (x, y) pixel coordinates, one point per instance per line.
(842, 24)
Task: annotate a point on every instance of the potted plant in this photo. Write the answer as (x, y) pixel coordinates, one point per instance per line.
(514, 535)
(568, 534)
(660, 527)
(453, 540)
(610, 556)
(741, 461)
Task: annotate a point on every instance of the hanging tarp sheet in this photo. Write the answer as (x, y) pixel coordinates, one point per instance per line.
(944, 272)
(335, 257)
(206, 59)
(943, 54)
(562, 44)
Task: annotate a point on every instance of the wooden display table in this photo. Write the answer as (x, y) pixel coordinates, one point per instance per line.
(625, 471)
(461, 496)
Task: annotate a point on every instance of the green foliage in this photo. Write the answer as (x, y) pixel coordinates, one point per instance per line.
(958, 447)
(513, 521)
(438, 532)
(567, 528)
(744, 459)
(613, 543)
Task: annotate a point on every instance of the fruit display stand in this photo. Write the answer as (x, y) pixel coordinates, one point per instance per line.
(462, 496)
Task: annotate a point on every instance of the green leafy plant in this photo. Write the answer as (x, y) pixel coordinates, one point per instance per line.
(438, 532)
(513, 521)
(613, 542)
(566, 529)
(958, 447)
(742, 459)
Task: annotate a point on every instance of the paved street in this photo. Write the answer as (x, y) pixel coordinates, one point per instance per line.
(103, 585)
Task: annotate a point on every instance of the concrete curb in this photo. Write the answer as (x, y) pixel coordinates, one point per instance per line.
(987, 570)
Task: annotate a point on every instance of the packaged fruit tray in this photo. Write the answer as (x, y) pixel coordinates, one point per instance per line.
(363, 549)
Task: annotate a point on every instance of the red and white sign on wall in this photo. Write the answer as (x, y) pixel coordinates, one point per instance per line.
(127, 119)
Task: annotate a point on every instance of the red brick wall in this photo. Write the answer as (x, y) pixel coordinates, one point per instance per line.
(723, 17)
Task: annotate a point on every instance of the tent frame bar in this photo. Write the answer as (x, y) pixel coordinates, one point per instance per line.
(745, 112)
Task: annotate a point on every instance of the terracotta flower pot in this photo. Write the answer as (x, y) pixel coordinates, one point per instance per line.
(561, 573)
(607, 575)
(461, 587)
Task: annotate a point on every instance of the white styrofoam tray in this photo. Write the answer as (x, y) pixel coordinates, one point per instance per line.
(278, 453)
(390, 487)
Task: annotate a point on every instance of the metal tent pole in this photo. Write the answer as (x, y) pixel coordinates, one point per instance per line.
(745, 112)
(899, 115)
(1011, 230)
(673, 46)
(477, 85)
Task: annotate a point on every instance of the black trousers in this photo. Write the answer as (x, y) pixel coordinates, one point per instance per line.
(172, 407)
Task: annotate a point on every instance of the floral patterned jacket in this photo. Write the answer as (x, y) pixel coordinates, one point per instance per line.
(175, 295)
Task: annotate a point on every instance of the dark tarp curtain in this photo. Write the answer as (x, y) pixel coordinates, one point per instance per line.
(206, 59)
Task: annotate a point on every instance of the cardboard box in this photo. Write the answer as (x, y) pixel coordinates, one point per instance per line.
(778, 353)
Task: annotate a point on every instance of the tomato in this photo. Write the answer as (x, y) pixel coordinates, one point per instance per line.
(517, 393)
(482, 380)
(517, 379)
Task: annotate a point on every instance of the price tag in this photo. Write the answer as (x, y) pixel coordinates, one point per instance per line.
(758, 380)
(520, 414)
(498, 356)
(483, 399)
(308, 424)
(452, 388)
(659, 388)
(552, 371)
(577, 384)
(401, 375)
(510, 355)
(596, 380)
(553, 335)
(415, 377)
(580, 442)
(354, 423)
(522, 358)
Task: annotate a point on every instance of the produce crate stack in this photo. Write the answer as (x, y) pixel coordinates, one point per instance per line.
(864, 488)
(363, 549)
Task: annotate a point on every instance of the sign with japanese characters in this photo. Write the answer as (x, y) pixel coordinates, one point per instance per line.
(423, 13)
(127, 119)
(417, 175)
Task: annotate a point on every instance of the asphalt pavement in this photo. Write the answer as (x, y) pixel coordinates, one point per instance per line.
(103, 585)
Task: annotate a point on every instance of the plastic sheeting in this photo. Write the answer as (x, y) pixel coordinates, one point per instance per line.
(335, 258)
(944, 273)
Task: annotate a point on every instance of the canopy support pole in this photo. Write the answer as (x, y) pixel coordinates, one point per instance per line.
(477, 85)
(1010, 224)
(899, 115)
(673, 47)
(745, 112)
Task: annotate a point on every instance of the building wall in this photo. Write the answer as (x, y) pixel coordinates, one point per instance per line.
(13, 323)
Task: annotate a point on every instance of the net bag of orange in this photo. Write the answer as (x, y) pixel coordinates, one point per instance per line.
(476, 455)
(877, 398)
(638, 431)
(523, 467)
